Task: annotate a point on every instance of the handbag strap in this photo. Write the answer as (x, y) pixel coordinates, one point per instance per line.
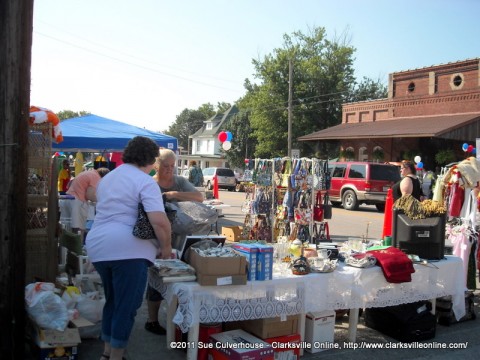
(326, 198)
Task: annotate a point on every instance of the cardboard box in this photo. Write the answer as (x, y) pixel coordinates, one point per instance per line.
(225, 266)
(219, 280)
(55, 344)
(239, 345)
(250, 251)
(58, 353)
(319, 328)
(264, 262)
(47, 338)
(272, 327)
(232, 233)
(287, 347)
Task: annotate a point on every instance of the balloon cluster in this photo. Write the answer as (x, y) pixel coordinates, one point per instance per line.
(225, 137)
(419, 162)
(469, 149)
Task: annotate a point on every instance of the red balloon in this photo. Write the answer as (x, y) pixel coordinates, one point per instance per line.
(222, 136)
(470, 148)
(247, 161)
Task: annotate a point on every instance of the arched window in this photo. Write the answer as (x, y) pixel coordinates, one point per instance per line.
(377, 154)
(362, 154)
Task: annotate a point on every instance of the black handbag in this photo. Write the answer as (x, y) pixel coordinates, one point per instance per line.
(142, 228)
(327, 207)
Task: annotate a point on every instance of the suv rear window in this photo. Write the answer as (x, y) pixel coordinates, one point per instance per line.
(339, 170)
(358, 172)
(225, 172)
(382, 172)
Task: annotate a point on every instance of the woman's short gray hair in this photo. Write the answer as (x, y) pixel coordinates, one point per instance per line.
(166, 154)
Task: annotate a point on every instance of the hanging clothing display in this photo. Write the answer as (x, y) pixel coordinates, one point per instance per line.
(284, 196)
(459, 183)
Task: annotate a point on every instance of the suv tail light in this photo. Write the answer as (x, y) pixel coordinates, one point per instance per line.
(368, 186)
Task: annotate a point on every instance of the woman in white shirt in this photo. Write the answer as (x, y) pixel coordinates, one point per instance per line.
(120, 258)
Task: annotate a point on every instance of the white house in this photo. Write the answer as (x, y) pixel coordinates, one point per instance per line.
(206, 149)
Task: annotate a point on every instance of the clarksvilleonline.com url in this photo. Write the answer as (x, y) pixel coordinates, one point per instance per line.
(413, 345)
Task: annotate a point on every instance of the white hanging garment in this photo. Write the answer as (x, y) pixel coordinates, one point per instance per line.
(469, 209)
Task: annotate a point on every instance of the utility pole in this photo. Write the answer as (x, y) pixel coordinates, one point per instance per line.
(16, 24)
(290, 95)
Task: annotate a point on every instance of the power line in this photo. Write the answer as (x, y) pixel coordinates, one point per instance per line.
(103, 46)
(133, 64)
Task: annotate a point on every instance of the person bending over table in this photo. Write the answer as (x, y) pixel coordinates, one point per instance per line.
(84, 187)
(174, 188)
(120, 258)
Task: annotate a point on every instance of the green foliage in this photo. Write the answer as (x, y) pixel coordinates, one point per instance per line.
(444, 157)
(410, 154)
(368, 89)
(68, 114)
(378, 154)
(347, 154)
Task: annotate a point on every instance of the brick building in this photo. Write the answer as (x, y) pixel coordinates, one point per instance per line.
(428, 109)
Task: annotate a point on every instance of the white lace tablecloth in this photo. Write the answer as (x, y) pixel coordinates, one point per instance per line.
(345, 288)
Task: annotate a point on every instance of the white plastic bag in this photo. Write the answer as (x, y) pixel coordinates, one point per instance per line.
(45, 307)
(90, 306)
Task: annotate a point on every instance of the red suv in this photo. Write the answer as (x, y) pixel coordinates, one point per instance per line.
(357, 182)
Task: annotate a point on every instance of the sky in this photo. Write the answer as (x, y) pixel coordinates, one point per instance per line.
(143, 62)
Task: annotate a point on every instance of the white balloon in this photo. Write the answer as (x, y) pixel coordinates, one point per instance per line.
(226, 145)
(417, 159)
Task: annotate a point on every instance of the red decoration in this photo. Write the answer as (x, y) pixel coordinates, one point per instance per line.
(470, 148)
(215, 187)
(222, 136)
(388, 215)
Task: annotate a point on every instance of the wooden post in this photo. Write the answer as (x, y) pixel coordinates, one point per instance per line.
(16, 18)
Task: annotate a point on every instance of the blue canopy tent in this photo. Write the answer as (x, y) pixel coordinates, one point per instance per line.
(92, 133)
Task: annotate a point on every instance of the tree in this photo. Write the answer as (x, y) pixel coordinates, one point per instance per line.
(368, 89)
(69, 114)
(323, 79)
(243, 143)
(186, 124)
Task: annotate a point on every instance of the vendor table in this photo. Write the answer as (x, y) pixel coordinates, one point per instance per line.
(345, 288)
(219, 208)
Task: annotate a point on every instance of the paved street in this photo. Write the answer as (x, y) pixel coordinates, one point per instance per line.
(367, 222)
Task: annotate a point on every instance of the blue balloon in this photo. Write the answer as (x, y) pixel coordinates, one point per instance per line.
(420, 165)
(229, 136)
(465, 147)
(474, 151)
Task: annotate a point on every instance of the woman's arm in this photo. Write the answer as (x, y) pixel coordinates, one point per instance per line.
(184, 195)
(163, 231)
(406, 186)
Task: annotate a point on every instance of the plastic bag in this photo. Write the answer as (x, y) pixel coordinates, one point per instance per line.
(90, 306)
(45, 307)
(191, 217)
